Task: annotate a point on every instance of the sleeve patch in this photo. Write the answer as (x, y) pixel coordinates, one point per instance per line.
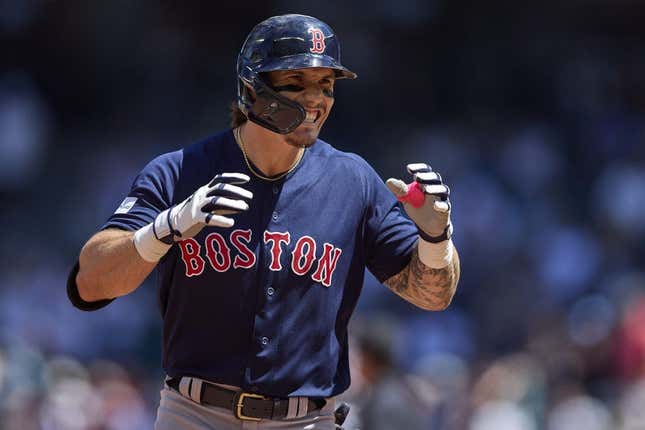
(126, 205)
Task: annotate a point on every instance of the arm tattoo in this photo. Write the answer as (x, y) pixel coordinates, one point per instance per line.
(425, 287)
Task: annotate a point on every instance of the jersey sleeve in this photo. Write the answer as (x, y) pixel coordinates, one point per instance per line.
(151, 193)
(390, 236)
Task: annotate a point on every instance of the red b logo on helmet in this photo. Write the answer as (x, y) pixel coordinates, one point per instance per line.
(317, 41)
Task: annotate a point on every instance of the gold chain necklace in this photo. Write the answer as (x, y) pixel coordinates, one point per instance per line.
(238, 138)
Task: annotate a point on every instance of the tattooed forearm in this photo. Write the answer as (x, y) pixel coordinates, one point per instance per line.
(425, 287)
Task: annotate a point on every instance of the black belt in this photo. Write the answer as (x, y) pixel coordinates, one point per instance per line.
(246, 406)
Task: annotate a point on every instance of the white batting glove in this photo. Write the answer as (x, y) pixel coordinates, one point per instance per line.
(209, 205)
(431, 216)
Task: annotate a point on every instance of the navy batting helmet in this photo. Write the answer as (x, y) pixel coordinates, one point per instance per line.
(283, 42)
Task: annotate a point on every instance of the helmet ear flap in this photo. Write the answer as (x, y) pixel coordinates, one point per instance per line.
(274, 111)
(248, 92)
(265, 107)
(245, 92)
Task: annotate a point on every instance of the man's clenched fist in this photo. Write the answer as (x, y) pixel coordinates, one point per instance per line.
(209, 205)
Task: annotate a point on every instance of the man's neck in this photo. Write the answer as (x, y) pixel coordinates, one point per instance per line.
(268, 151)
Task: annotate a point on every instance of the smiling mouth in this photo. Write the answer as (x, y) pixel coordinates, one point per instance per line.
(312, 117)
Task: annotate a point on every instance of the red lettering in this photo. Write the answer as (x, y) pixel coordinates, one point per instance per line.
(190, 254)
(299, 266)
(218, 255)
(276, 238)
(317, 41)
(327, 264)
(249, 257)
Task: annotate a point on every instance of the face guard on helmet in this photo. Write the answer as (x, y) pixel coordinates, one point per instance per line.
(285, 42)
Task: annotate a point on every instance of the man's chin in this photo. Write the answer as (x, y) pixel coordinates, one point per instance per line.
(303, 138)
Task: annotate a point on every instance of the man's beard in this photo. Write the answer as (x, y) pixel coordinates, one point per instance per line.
(302, 139)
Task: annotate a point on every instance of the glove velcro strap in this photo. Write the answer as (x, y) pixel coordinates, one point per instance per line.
(447, 233)
(162, 228)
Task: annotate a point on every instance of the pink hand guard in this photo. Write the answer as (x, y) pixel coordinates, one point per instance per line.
(415, 195)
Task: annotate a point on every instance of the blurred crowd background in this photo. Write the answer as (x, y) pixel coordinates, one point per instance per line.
(534, 113)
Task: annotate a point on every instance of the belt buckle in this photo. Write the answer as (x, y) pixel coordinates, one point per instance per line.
(240, 405)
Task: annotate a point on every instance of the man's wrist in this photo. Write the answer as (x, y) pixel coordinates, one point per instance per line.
(435, 255)
(447, 234)
(148, 246)
(162, 227)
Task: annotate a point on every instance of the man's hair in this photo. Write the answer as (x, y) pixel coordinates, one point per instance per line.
(237, 116)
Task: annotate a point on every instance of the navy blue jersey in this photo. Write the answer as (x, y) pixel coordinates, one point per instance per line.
(264, 305)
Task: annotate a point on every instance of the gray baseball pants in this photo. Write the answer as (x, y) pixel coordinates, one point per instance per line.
(177, 412)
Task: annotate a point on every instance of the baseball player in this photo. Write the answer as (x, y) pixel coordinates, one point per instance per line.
(260, 236)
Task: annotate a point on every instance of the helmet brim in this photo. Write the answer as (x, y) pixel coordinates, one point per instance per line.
(307, 61)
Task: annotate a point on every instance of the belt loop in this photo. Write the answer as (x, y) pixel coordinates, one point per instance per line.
(302, 406)
(292, 410)
(196, 390)
(184, 386)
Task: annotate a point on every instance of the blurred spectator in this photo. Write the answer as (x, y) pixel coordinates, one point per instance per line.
(389, 399)
(512, 392)
(580, 412)
(630, 353)
(619, 198)
(24, 128)
(630, 410)
(500, 415)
